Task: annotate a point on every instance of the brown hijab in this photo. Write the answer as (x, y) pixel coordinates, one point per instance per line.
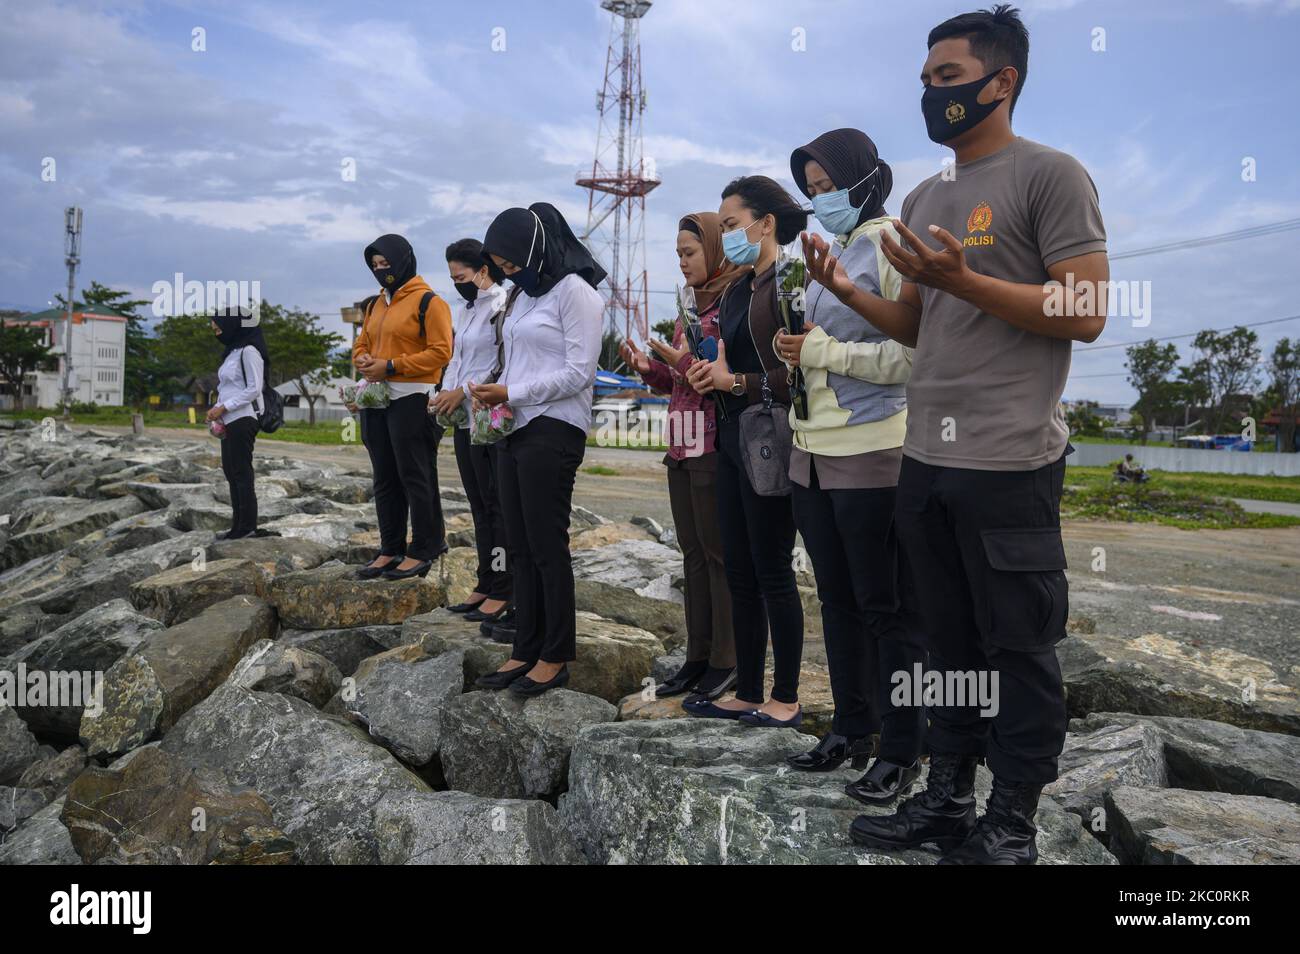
(722, 272)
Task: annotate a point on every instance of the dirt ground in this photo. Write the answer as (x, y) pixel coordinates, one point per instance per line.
(1235, 589)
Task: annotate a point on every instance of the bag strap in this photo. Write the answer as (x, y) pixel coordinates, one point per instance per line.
(498, 332)
(244, 372)
(424, 307)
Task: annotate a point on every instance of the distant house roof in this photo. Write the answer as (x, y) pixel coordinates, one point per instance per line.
(95, 312)
(329, 390)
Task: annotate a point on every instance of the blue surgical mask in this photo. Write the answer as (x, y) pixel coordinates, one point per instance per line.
(834, 211)
(737, 247)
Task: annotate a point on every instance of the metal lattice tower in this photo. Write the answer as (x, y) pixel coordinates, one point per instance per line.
(620, 176)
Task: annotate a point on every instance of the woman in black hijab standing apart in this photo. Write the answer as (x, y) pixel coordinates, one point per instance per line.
(550, 345)
(240, 378)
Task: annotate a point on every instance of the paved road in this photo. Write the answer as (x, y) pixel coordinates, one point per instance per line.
(1238, 589)
(1268, 506)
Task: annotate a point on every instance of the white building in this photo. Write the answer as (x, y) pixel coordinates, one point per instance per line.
(98, 359)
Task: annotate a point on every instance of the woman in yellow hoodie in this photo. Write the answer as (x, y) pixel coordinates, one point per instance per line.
(405, 341)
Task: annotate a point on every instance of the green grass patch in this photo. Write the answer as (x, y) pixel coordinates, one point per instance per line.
(1156, 503)
(329, 433)
(1250, 486)
(600, 470)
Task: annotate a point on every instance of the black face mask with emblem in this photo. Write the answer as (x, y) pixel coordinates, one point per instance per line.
(401, 261)
(950, 111)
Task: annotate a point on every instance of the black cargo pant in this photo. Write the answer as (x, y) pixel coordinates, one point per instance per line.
(984, 548)
(536, 467)
(237, 465)
(402, 446)
(870, 637)
(478, 467)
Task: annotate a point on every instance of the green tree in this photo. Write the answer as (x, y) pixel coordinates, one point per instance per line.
(22, 349)
(1284, 384)
(1149, 365)
(301, 351)
(1082, 420)
(665, 329)
(1227, 367)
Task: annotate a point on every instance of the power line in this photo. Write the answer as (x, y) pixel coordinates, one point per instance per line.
(1190, 334)
(1254, 231)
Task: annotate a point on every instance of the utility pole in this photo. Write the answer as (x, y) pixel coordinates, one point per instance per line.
(72, 246)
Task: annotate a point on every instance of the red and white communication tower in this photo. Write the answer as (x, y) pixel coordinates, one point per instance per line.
(620, 176)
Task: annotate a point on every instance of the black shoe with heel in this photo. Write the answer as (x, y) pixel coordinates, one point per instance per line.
(502, 679)
(466, 607)
(528, 687)
(370, 572)
(832, 752)
(884, 783)
(477, 615)
(420, 569)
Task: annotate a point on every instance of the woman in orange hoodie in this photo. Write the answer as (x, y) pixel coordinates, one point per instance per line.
(405, 340)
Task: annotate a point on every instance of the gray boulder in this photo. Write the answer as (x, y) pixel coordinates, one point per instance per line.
(1216, 757)
(1173, 826)
(331, 597)
(18, 747)
(42, 839)
(704, 791)
(275, 667)
(455, 828)
(176, 595)
(1097, 760)
(321, 776)
(499, 745)
(1158, 675)
(74, 519)
(87, 646)
(147, 691)
(346, 647)
(397, 697)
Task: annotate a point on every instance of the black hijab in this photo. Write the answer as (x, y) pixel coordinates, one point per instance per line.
(400, 256)
(235, 333)
(848, 156)
(538, 237)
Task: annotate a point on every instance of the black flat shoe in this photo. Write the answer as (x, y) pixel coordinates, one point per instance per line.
(884, 783)
(683, 680)
(528, 687)
(478, 616)
(370, 572)
(502, 679)
(703, 708)
(466, 607)
(420, 569)
(762, 720)
(259, 532)
(832, 752)
(715, 683)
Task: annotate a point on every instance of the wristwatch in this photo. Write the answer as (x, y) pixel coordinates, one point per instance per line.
(738, 385)
(391, 370)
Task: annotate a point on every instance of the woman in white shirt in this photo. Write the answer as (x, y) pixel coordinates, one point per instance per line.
(550, 343)
(244, 366)
(474, 361)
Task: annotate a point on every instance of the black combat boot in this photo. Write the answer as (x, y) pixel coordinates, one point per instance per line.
(944, 814)
(1005, 833)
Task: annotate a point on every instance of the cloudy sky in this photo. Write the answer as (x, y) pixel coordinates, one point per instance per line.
(225, 164)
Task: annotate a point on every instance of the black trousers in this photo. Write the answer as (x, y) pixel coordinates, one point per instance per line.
(988, 565)
(693, 497)
(536, 466)
(477, 465)
(237, 465)
(402, 449)
(870, 636)
(758, 549)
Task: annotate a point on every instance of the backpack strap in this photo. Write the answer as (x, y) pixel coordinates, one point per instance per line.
(424, 307)
(244, 372)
